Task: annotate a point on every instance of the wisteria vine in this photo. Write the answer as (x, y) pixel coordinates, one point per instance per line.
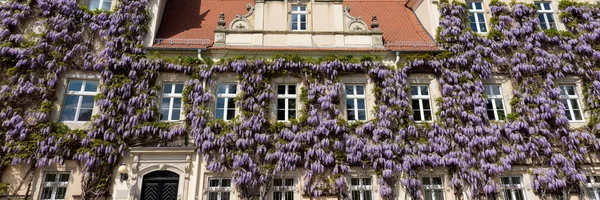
(42, 40)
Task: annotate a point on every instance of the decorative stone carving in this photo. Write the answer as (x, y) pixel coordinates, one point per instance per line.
(375, 24)
(354, 23)
(188, 166)
(221, 22)
(241, 22)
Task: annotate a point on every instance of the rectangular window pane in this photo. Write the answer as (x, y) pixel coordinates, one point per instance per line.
(164, 114)
(361, 104)
(289, 195)
(349, 90)
(362, 115)
(367, 195)
(178, 88)
(281, 104)
(356, 195)
(87, 102)
(106, 5)
(291, 89)
(225, 196)
(281, 89)
(176, 114)
(230, 114)
(85, 115)
(277, 196)
(47, 193)
(213, 183)
(91, 86)
(426, 104)
(176, 103)
(427, 116)
(60, 193)
(64, 178)
(94, 4)
(220, 103)
(221, 88)
(69, 108)
(213, 196)
(167, 88)
(292, 104)
(289, 182)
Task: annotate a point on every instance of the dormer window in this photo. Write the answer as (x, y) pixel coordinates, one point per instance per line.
(299, 18)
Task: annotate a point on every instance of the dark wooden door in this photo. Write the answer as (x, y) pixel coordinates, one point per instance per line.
(160, 185)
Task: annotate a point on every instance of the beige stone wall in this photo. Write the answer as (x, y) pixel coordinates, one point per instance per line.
(19, 179)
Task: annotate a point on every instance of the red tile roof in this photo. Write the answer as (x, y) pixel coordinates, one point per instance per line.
(191, 24)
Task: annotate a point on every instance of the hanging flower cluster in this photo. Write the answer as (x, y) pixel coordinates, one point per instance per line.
(43, 39)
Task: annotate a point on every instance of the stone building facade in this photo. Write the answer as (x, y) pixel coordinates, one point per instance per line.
(215, 29)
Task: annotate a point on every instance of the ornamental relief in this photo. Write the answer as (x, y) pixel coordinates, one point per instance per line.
(241, 22)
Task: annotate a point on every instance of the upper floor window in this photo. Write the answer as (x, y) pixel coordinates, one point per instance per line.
(100, 4)
(592, 186)
(355, 103)
(433, 188)
(477, 17)
(219, 188)
(512, 188)
(421, 106)
(171, 102)
(569, 98)
(79, 100)
(298, 18)
(226, 101)
(495, 104)
(361, 188)
(286, 102)
(546, 15)
(54, 186)
(283, 189)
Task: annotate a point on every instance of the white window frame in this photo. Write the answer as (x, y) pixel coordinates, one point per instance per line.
(420, 97)
(81, 93)
(361, 187)
(220, 189)
(513, 187)
(298, 21)
(227, 97)
(287, 98)
(100, 4)
(432, 187)
(592, 187)
(569, 107)
(284, 189)
(542, 10)
(355, 97)
(492, 97)
(171, 96)
(473, 10)
(54, 185)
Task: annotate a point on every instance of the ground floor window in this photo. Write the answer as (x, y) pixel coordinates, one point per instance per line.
(219, 188)
(55, 185)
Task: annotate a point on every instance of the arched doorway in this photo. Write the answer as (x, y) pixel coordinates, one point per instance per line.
(160, 185)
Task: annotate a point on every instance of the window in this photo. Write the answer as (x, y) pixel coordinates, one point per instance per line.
(100, 4)
(569, 98)
(283, 189)
(592, 186)
(433, 188)
(477, 17)
(421, 106)
(171, 102)
(298, 18)
(355, 103)
(545, 14)
(360, 188)
(512, 188)
(79, 100)
(225, 101)
(495, 104)
(219, 188)
(54, 186)
(286, 102)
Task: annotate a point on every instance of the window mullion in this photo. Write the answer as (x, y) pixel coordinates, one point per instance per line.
(225, 108)
(571, 111)
(477, 21)
(422, 110)
(170, 112)
(494, 109)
